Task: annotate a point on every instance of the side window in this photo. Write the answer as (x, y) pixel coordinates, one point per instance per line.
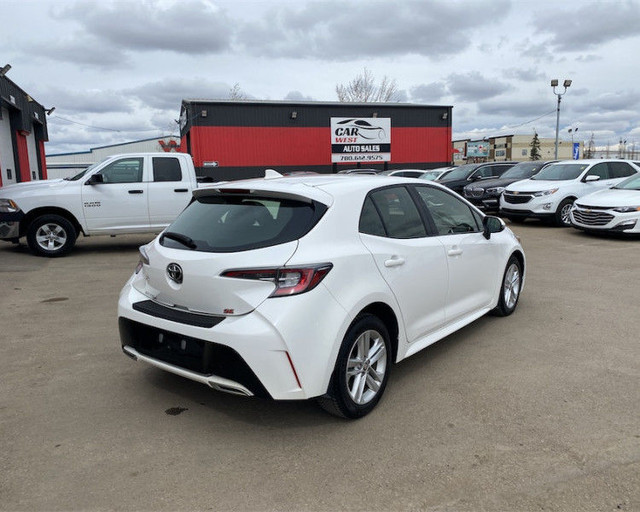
(370, 221)
(486, 172)
(166, 169)
(620, 169)
(601, 170)
(399, 213)
(127, 170)
(450, 215)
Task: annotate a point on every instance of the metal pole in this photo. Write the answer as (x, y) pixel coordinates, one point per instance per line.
(557, 122)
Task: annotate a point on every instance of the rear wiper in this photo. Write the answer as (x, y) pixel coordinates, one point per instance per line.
(179, 237)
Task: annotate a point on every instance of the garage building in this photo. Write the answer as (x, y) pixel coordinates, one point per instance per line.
(23, 132)
(239, 139)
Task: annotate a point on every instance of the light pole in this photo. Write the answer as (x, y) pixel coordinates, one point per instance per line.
(554, 84)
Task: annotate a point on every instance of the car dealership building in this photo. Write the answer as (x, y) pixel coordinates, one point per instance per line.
(239, 139)
(23, 132)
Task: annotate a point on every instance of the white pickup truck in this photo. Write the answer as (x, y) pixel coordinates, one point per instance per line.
(133, 193)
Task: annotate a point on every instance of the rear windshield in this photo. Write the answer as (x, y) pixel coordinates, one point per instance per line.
(240, 223)
(560, 172)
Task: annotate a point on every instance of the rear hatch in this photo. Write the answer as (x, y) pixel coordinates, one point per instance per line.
(219, 232)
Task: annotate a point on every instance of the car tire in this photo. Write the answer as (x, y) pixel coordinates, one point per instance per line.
(509, 288)
(562, 217)
(51, 236)
(361, 371)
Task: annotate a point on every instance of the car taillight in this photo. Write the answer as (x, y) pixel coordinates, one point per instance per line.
(288, 280)
(144, 259)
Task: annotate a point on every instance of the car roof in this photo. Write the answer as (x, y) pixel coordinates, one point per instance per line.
(323, 188)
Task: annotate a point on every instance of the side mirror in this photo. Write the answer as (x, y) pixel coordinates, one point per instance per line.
(590, 178)
(475, 177)
(491, 224)
(95, 179)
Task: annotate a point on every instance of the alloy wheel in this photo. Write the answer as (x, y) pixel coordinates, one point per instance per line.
(366, 367)
(511, 288)
(51, 236)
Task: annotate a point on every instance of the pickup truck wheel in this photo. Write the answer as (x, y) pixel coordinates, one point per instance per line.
(51, 236)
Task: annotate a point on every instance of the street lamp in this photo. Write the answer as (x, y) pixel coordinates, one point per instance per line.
(566, 84)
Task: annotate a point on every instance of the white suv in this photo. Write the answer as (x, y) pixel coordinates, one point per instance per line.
(295, 288)
(550, 193)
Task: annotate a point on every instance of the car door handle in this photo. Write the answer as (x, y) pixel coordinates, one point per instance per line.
(135, 191)
(454, 251)
(394, 262)
(181, 190)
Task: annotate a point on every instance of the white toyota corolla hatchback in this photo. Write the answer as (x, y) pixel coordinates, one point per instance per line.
(295, 288)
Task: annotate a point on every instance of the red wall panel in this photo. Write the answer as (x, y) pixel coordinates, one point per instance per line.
(23, 157)
(237, 146)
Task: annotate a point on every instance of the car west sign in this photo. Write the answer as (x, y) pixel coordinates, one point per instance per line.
(360, 139)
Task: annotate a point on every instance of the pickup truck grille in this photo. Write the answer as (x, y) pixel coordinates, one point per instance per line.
(512, 198)
(592, 217)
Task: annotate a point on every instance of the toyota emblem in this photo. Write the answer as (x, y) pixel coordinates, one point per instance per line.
(174, 271)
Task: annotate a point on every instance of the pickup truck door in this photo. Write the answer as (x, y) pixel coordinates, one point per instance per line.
(170, 187)
(119, 202)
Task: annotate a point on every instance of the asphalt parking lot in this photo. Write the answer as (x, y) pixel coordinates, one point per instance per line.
(537, 411)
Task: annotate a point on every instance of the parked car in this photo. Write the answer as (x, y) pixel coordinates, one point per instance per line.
(132, 193)
(616, 209)
(550, 193)
(295, 288)
(465, 174)
(486, 194)
(435, 174)
(404, 173)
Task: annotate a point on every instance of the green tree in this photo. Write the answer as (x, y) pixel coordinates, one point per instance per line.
(534, 154)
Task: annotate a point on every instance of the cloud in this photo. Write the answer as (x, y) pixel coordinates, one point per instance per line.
(341, 31)
(92, 101)
(80, 49)
(297, 96)
(516, 108)
(428, 93)
(572, 30)
(526, 75)
(167, 94)
(473, 86)
(189, 26)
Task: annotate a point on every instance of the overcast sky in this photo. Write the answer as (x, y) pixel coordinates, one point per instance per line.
(123, 67)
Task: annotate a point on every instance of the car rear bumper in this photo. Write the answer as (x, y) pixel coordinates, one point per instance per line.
(274, 351)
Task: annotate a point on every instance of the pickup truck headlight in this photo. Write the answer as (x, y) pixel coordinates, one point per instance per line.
(8, 206)
(494, 191)
(545, 192)
(627, 209)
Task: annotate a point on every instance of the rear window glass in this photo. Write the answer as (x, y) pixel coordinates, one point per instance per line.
(231, 223)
